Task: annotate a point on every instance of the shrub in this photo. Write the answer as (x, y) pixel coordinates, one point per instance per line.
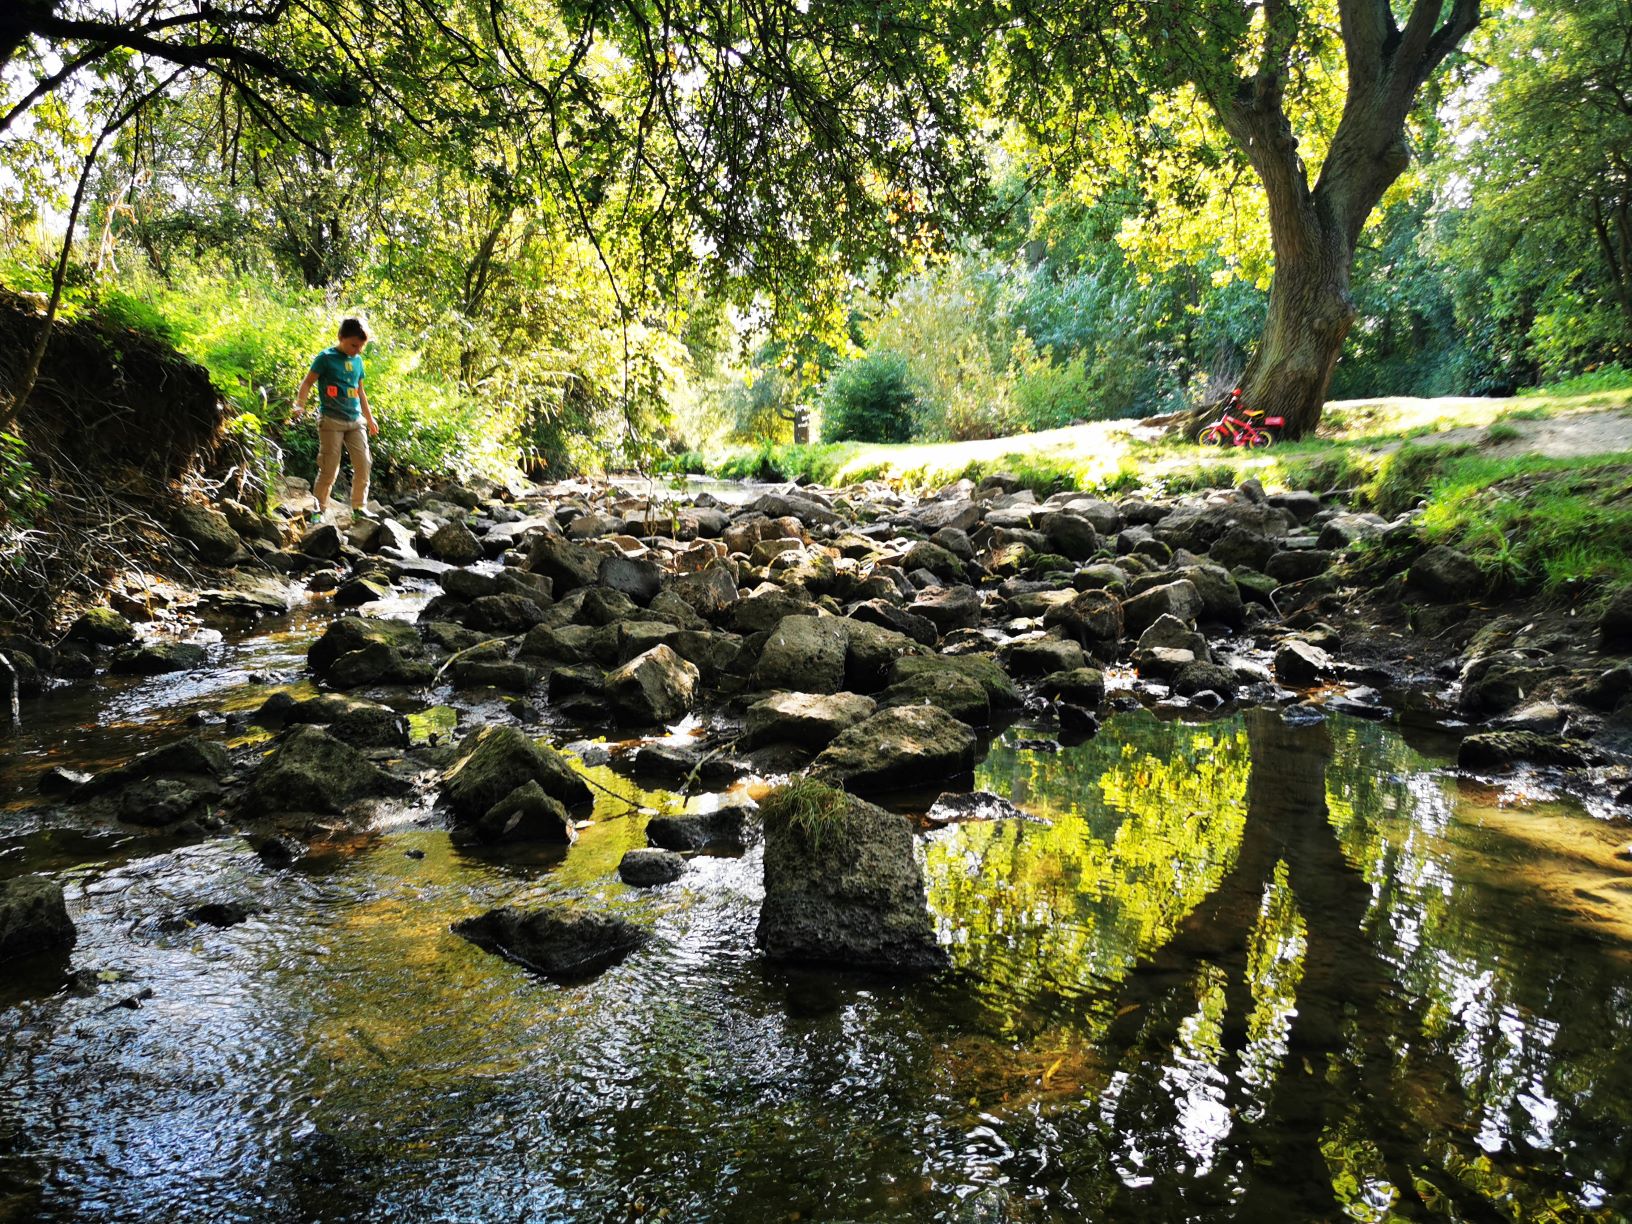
(869, 400)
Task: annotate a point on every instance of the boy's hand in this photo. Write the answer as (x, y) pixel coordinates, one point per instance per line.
(373, 429)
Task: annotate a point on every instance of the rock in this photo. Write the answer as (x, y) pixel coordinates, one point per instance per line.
(810, 719)
(158, 658)
(1604, 691)
(729, 827)
(1243, 546)
(842, 884)
(321, 542)
(312, 771)
(155, 802)
(1302, 504)
(1296, 565)
(1069, 535)
(897, 748)
(1300, 665)
(1220, 597)
(1042, 656)
(649, 867)
(982, 669)
(1080, 686)
(10, 691)
(957, 514)
(886, 615)
(956, 607)
(657, 687)
(209, 533)
(1204, 677)
(1499, 749)
(871, 654)
(1615, 624)
(766, 607)
(561, 940)
(192, 757)
(351, 634)
(507, 613)
(1092, 617)
(566, 565)
(959, 695)
(1180, 599)
(710, 592)
(102, 627)
(500, 760)
(1445, 574)
(639, 580)
(1346, 530)
(932, 557)
(804, 654)
(33, 918)
(358, 591)
(1497, 682)
(525, 814)
(973, 805)
(377, 664)
(60, 780)
(456, 544)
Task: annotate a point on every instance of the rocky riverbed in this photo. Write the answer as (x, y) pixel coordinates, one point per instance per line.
(804, 681)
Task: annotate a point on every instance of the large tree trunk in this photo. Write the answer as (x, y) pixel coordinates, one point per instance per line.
(1310, 313)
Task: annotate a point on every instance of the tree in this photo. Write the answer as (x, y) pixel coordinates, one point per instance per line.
(1246, 63)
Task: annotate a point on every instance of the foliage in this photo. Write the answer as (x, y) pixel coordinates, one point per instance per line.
(870, 399)
(20, 501)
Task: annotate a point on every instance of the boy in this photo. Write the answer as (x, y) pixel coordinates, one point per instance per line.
(343, 415)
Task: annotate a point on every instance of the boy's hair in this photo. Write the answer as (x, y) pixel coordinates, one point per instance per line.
(350, 328)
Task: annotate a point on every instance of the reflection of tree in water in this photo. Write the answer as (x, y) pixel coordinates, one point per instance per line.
(1323, 1020)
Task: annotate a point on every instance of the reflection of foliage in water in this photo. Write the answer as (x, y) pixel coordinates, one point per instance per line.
(1142, 828)
(1504, 1041)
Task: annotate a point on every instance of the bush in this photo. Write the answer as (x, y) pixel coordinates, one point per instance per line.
(871, 399)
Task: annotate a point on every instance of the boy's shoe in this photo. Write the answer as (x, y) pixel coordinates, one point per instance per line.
(314, 517)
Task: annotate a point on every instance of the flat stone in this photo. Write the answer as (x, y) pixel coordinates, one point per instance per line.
(561, 940)
(647, 868)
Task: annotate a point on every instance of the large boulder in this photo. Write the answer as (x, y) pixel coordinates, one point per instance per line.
(312, 771)
(842, 884)
(897, 748)
(496, 763)
(1042, 656)
(809, 719)
(709, 592)
(887, 615)
(1302, 664)
(655, 687)
(33, 918)
(649, 867)
(805, 654)
(639, 579)
(559, 940)
(1070, 535)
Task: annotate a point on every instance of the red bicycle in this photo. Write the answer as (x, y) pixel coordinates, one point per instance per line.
(1241, 426)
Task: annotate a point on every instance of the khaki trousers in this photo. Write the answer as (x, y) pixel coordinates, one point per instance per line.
(331, 436)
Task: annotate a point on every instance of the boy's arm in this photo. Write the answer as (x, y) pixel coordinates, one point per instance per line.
(305, 390)
(368, 415)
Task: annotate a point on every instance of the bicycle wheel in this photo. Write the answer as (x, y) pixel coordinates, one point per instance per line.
(1261, 438)
(1214, 435)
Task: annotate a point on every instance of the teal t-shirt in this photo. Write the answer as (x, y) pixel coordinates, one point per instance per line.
(338, 380)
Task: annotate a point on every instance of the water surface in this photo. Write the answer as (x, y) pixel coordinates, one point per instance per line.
(1245, 969)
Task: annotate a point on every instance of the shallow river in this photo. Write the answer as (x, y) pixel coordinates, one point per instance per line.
(1245, 969)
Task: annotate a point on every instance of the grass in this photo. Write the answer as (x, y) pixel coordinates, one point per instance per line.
(819, 812)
